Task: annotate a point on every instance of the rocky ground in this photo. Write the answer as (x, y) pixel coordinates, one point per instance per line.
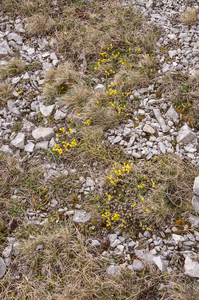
(158, 125)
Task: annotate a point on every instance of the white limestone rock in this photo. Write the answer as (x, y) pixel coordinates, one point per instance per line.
(99, 88)
(195, 203)
(6, 149)
(113, 271)
(81, 216)
(42, 145)
(59, 115)
(18, 142)
(196, 186)
(29, 147)
(5, 49)
(2, 267)
(147, 128)
(185, 135)
(159, 263)
(46, 111)
(194, 221)
(138, 265)
(191, 267)
(43, 134)
(12, 107)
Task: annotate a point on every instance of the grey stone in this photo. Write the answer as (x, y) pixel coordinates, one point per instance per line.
(15, 80)
(112, 237)
(6, 149)
(2, 267)
(160, 120)
(173, 53)
(162, 147)
(117, 139)
(138, 265)
(81, 216)
(195, 203)
(7, 251)
(177, 238)
(15, 37)
(159, 263)
(127, 131)
(131, 141)
(51, 173)
(42, 133)
(59, 115)
(95, 243)
(194, 221)
(115, 243)
(172, 114)
(99, 88)
(196, 186)
(18, 142)
(46, 110)
(132, 244)
(5, 49)
(185, 135)
(113, 271)
(12, 107)
(191, 267)
(29, 147)
(89, 182)
(144, 255)
(42, 145)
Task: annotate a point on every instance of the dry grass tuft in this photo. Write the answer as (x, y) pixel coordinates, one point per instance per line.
(13, 67)
(41, 24)
(161, 190)
(60, 80)
(189, 17)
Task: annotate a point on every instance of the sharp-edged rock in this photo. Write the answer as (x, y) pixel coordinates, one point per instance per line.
(185, 135)
(191, 267)
(160, 120)
(18, 142)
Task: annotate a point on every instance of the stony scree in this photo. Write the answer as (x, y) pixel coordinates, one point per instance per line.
(157, 132)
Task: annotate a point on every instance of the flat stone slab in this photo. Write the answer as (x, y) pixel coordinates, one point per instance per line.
(81, 216)
(43, 134)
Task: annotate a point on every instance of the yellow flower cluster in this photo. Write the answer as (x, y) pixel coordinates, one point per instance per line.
(64, 145)
(109, 196)
(88, 121)
(153, 184)
(112, 92)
